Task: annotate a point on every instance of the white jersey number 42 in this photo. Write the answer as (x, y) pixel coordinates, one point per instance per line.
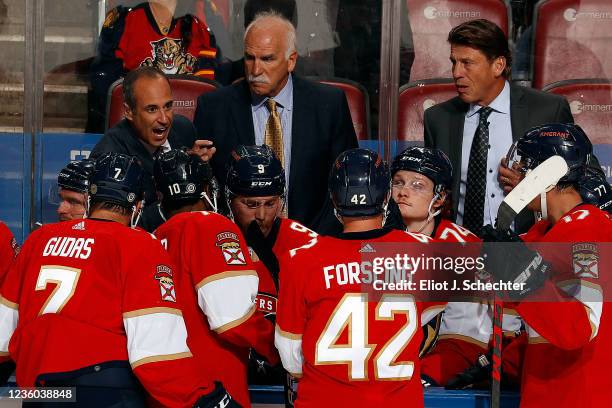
(352, 314)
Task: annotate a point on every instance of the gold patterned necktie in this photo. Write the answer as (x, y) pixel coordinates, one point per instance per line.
(274, 132)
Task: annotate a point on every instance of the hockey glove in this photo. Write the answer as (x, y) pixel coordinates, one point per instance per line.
(476, 376)
(513, 262)
(219, 398)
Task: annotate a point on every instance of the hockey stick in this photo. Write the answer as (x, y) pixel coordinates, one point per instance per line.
(540, 179)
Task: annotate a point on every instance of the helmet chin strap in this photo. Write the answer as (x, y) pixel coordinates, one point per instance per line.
(544, 204)
(136, 213)
(212, 203)
(87, 207)
(338, 216)
(430, 215)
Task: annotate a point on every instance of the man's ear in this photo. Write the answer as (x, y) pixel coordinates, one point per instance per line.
(127, 112)
(499, 66)
(291, 61)
(439, 203)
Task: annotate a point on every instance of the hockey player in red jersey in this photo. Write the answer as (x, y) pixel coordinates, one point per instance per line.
(256, 193)
(562, 303)
(8, 250)
(91, 304)
(350, 350)
(213, 271)
(421, 184)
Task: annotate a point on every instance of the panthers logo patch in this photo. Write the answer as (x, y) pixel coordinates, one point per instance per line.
(586, 260)
(168, 56)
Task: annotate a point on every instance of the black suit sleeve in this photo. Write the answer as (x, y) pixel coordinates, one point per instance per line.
(110, 142)
(344, 136)
(183, 133)
(427, 134)
(564, 114)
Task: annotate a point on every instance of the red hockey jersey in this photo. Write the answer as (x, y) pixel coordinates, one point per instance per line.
(8, 250)
(291, 234)
(85, 292)
(568, 354)
(214, 271)
(348, 351)
(136, 40)
(466, 327)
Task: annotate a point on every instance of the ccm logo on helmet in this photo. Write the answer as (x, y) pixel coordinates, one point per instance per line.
(260, 183)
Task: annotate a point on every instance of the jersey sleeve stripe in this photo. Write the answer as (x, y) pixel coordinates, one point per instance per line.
(155, 335)
(224, 275)
(237, 322)
(290, 351)
(8, 303)
(288, 335)
(167, 357)
(590, 295)
(152, 310)
(467, 339)
(203, 72)
(208, 53)
(228, 299)
(9, 317)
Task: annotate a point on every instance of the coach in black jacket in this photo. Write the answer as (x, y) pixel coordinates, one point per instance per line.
(321, 125)
(149, 128)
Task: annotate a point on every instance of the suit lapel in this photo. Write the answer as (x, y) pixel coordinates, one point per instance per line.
(242, 115)
(518, 112)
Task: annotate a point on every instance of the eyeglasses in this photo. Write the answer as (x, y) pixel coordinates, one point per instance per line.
(416, 185)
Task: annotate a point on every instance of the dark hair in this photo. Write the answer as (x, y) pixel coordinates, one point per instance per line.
(105, 205)
(286, 8)
(485, 36)
(133, 76)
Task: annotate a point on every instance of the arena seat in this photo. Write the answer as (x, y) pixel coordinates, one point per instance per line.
(431, 21)
(414, 98)
(358, 101)
(591, 103)
(571, 40)
(185, 90)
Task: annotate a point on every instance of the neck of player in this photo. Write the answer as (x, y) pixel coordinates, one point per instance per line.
(560, 202)
(103, 214)
(361, 224)
(421, 226)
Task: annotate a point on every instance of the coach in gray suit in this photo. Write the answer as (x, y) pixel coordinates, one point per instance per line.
(481, 68)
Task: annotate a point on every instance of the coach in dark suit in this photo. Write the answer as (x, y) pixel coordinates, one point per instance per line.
(481, 61)
(307, 124)
(149, 128)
